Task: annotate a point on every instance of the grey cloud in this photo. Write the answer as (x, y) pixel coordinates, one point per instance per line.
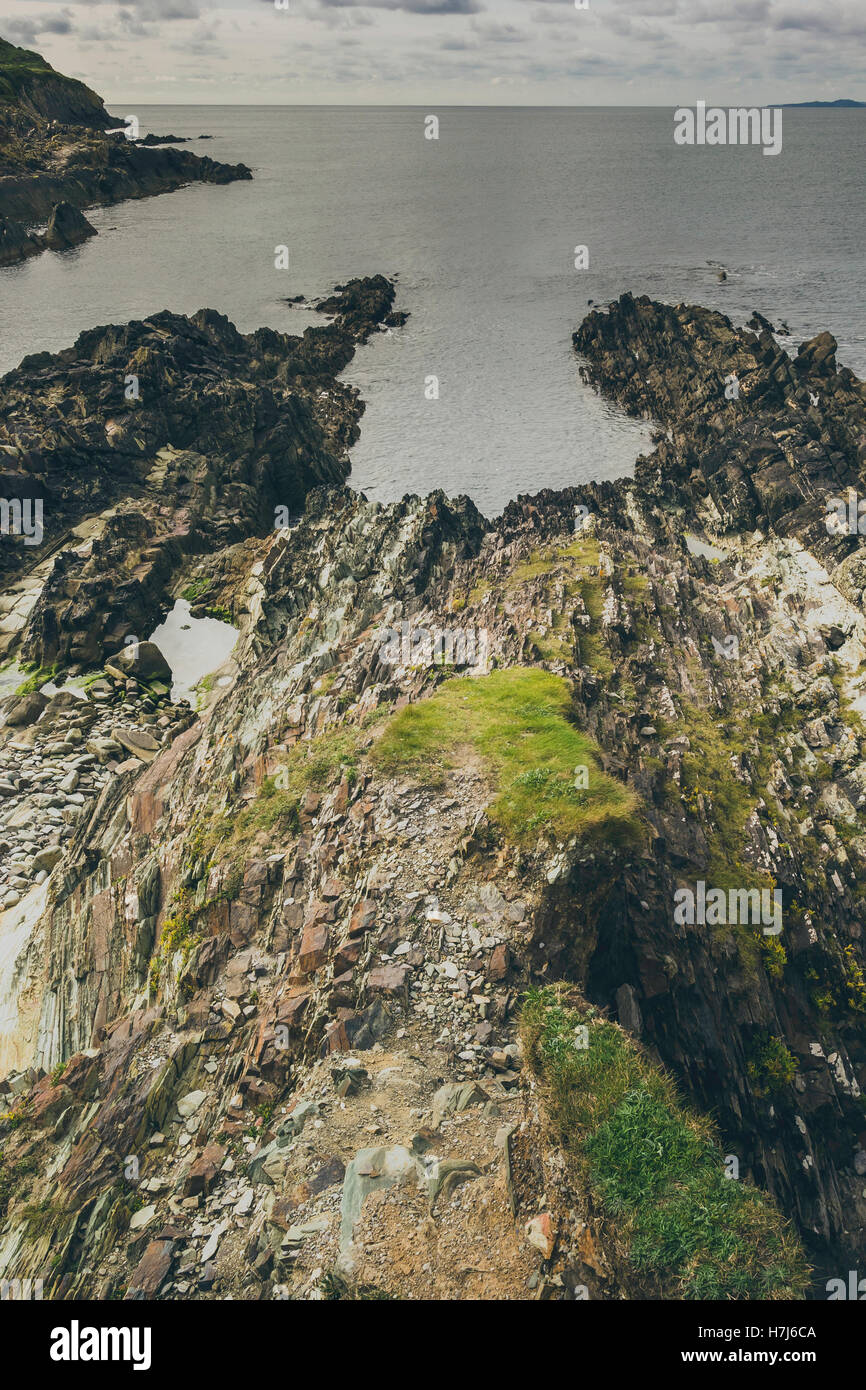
(148, 11)
(20, 31)
(640, 30)
(498, 33)
(833, 24)
(26, 31)
(426, 7)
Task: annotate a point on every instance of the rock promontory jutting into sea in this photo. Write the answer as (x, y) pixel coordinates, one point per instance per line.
(365, 978)
(60, 148)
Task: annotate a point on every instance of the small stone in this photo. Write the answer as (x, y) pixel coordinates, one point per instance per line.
(141, 1218)
(541, 1233)
(190, 1103)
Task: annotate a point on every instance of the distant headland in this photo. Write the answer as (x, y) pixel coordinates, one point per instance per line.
(843, 101)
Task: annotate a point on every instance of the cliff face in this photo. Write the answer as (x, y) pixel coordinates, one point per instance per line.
(28, 82)
(55, 149)
(263, 1012)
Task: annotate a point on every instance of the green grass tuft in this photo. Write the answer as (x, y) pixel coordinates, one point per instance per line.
(517, 722)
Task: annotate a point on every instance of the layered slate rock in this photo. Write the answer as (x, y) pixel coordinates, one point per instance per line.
(752, 436)
(325, 951)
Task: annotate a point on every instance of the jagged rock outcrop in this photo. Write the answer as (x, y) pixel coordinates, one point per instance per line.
(16, 243)
(67, 226)
(752, 436)
(312, 902)
(175, 436)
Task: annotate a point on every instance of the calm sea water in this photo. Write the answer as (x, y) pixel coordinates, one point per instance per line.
(480, 227)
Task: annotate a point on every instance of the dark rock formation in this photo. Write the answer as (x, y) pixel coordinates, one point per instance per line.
(787, 430)
(67, 227)
(165, 139)
(191, 433)
(17, 244)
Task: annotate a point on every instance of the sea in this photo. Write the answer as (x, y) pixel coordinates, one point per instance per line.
(501, 233)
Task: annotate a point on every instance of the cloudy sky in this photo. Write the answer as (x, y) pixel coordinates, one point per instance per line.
(496, 52)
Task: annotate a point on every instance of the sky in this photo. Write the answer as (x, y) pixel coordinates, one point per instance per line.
(452, 52)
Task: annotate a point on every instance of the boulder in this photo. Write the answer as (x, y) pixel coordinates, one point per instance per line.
(16, 243)
(204, 1171)
(25, 709)
(372, 1170)
(314, 948)
(143, 660)
(47, 858)
(455, 1096)
(151, 1271)
(67, 227)
(142, 745)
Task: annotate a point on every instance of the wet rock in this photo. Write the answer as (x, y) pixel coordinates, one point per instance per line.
(67, 226)
(16, 243)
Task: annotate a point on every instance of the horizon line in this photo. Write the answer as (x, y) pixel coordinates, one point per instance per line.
(491, 105)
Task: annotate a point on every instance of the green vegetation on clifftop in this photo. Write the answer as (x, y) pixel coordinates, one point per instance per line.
(517, 723)
(25, 76)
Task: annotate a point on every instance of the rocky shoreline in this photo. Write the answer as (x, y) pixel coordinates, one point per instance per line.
(266, 1014)
(177, 437)
(59, 155)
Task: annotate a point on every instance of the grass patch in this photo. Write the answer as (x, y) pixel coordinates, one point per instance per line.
(275, 812)
(202, 690)
(655, 1169)
(11, 1174)
(712, 790)
(578, 564)
(195, 588)
(39, 676)
(537, 564)
(771, 1066)
(313, 764)
(517, 721)
(552, 645)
